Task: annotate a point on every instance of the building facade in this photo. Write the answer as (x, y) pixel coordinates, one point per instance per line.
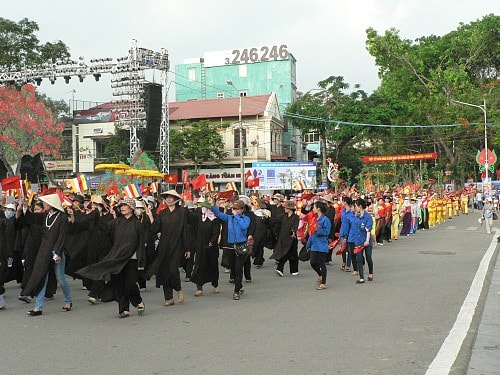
(251, 71)
(261, 125)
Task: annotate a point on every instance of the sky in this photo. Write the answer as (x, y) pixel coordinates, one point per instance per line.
(327, 37)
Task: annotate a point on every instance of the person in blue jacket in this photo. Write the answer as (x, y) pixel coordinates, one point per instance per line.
(347, 219)
(317, 243)
(237, 227)
(362, 230)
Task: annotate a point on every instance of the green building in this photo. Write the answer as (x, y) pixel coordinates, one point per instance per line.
(247, 72)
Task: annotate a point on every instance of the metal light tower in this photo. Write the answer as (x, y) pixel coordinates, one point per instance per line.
(127, 83)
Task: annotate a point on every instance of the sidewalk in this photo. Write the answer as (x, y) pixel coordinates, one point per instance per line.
(485, 358)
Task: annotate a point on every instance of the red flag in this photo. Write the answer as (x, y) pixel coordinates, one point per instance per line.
(145, 189)
(225, 194)
(312, 223)
(306, 196)
(253, 183)
(171, 178)
(248, 174)
(200, 181)
(333, 243)
(113, 189)
(160, 208)
(342, 248)
(358, 249)
(187, 196)
(11, 183)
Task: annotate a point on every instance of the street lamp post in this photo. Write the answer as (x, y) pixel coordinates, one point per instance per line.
(242, 161)
(482, 108)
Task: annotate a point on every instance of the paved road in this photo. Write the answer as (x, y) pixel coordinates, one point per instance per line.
(396, 324)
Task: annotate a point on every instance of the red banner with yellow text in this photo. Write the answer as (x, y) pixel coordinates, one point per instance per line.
(402, 157)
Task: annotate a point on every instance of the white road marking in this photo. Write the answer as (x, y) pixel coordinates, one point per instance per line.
(472, 228)
(451, 227)
(448, 352)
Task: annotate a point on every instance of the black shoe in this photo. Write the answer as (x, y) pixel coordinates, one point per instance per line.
(24, 299)
(248, 280)
(35, 312)
(231, 281)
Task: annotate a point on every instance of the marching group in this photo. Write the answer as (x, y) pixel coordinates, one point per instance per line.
(114, 247)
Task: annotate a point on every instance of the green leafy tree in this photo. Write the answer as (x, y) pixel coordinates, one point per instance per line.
(426, 75)
(20, 47)
(116, 149)
(199, 142)
(317, 110)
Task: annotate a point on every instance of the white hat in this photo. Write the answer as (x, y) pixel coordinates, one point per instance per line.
(139, 203)
(245, 199)
(53, 201)
(11, 206)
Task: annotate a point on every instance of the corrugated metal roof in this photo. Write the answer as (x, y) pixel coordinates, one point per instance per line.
(218, 108)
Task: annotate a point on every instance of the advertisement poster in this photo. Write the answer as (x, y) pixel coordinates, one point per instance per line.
(285, 175)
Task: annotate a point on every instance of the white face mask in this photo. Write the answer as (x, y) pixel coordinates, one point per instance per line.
(9, 214)
(138, 211)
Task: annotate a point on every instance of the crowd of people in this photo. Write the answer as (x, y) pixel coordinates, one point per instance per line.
(116, 245)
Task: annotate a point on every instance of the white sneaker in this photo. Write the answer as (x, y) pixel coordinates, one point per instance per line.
(295, 273)
(279, 273)
(2, 302)
(92, 300)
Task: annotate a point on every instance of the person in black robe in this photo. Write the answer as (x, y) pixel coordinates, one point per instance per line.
(188, 263)
(13, 243)
(172, 223)
(206, 267)
(98, 248)
(33, 236)
(149, 242)
(261, 231)
(77, 239)
(124, 260)
(286, 246)
(54, 223)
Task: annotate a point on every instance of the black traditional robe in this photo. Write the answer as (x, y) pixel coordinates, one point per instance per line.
(128, 239)
(173, 227)
(77, 241)
(207, 251)
(54, 229)
(287, 225)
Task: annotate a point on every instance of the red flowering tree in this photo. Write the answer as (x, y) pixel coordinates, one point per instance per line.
(27, 126)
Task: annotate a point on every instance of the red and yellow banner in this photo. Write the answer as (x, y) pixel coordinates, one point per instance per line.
(402, 157)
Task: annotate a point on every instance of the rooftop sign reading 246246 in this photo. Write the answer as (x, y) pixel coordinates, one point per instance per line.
(252, 55)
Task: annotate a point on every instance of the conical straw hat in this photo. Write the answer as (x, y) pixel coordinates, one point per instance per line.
(53, 201)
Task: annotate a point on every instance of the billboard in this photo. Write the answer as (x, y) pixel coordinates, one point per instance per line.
(285, 175)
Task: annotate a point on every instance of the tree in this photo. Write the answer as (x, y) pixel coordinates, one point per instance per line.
(199, 142)
(426, 75)
(20, 48)
(318, 111)
(116, 149)
(27, 126)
